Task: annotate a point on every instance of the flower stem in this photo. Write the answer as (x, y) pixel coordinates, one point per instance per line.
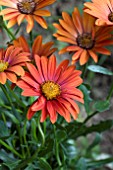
(25, 140)
(89, 117)
(8, 97)
(9, 32)
(57, 148)
(84, 71)
(41, 131)
(15, 96)
(31, 38)
(10, 148)
(110, 92)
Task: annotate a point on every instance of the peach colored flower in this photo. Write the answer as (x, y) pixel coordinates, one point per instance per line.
(11, 61)
(55, 87)
(84, 38)
(102, 10)
(37, 47)
(31, 10)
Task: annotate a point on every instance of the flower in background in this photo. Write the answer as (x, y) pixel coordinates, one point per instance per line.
(31, 10)
(11, 61)
(55, 87)
(37, 48)
(103, 11)
(84, 38)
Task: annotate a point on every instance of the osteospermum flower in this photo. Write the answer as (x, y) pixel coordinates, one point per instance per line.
(84, 38)
(55, 87)
(37, 48)
(103, 11)
(11, 61)
(31, 10)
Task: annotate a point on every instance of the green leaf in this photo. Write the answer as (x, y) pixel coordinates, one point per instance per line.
(95, 142)
(99, 163)
(81, 165)
(12, 117)
(99, 69)
(102, 105)
(43, 164)
(10, 162)
(87, 98)
(4, 132)
(100, 127)
(84, 130)
(70, 150)
(61, 135)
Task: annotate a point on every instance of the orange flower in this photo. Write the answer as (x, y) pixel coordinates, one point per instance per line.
(26, 9)
(55, 87)
(103, 11)
(37, 48)
(84, 37)
(11, 61)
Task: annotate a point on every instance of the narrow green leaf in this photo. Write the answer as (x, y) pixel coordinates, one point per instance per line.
(99, 163)
(87, 98)
(99, 69)
(4, 132)
(43, 164)
(101, 106)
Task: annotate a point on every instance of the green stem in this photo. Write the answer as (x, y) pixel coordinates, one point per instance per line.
(21, 141)
(4, 118)
(110, 92)
(89, 117)
(15, 96)
(8, 97)
(11, 149)
(41, 131)
(84, 70)
(57, 148)
(24, 135)
(28, 160)
(9, 32)
(31, 38)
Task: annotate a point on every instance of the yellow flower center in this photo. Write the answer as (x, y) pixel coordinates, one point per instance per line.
(3, 65)
(26, 6)
(85, 41)
(50, 90)
(110, 17)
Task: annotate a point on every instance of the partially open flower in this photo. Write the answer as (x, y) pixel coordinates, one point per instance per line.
(37, 47)
(84, 38)
(31, 10)
(11, 61)
(55, 87)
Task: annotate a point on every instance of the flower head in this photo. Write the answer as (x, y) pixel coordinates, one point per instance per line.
(104, 14)
(55, 87)
(84, 38)
(31, 10)
(37, 48)
(11, 61)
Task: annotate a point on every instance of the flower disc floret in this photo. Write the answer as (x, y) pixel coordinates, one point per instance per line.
(3, 65)
(26, 6)
(85, 41)
(50, 90)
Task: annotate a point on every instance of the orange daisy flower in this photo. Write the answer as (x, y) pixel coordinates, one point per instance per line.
(37, 48)
(104, 14)
(85, 39)
(26, 9)
(55, 87)
(11, 61)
